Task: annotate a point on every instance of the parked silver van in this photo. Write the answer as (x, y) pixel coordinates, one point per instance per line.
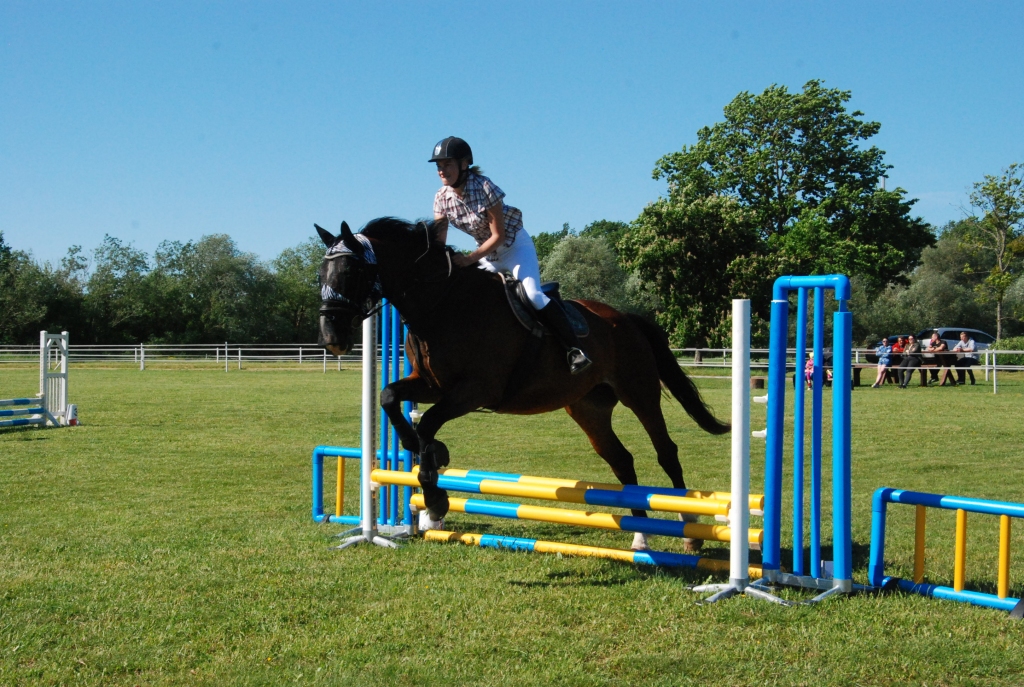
(951, 335)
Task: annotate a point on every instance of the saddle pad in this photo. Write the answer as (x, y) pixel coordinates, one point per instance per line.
(525, 313)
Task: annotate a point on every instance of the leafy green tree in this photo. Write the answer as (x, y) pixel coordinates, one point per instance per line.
(64, 288)
(798, 192)
(210, 292)
(999, 232)
(118, 293)
(22, 302)
(940, 293)
(609, 230)
(546, 241)
(297, 292)
(34, 297)
(586, 268)
(691, 254)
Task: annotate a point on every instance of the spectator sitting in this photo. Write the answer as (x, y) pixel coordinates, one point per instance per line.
(882, 351)
(934, 346)
(966, 346)
(911, 359)
(900, 344)
(809, 372)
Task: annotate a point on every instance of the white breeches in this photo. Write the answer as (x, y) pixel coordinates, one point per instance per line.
(521, 260)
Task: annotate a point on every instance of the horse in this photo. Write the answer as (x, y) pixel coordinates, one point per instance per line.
(465, 345)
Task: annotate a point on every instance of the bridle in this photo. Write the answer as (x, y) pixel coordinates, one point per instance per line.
(360, 270)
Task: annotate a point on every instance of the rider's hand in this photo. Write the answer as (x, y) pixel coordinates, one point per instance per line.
(463, 260)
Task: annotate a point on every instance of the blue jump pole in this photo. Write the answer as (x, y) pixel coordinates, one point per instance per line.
(842, 522)
(817, 384)
(798, 432)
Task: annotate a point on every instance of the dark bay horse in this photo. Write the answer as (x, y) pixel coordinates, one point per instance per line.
(465, 342)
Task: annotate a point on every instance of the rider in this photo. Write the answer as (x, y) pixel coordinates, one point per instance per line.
(472, 203)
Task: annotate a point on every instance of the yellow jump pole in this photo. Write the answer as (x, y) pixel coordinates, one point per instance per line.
(339, 490)
(593, 497)
(624, 555)
(1004, 556)
(960, 562)
(756, 500)
(606, 521)
(919, 526)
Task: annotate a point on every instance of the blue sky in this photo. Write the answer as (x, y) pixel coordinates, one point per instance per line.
(153, 121)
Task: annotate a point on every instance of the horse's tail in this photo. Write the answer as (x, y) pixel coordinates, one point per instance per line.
(673, 377)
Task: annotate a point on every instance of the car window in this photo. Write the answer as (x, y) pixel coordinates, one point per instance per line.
(981, 337)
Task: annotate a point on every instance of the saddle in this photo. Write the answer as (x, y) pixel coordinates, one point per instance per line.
(525, 314)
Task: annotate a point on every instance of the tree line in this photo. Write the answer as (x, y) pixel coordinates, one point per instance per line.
(206, 291)
(787, 183)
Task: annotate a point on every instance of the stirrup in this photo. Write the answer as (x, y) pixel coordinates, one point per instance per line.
(578, 361)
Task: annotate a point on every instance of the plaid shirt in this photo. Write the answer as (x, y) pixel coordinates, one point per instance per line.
(469, 213)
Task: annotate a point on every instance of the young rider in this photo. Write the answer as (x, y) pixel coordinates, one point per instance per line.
(472, 203)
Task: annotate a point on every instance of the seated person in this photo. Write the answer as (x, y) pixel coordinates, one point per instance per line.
(882, 351)
(966, 346)
(809, 372)
(934, 346)
(911, 359)
(900, 344)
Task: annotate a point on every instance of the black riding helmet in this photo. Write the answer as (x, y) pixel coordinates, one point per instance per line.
(452, 147)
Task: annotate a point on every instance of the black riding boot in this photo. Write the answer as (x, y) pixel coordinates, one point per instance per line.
(554, 317)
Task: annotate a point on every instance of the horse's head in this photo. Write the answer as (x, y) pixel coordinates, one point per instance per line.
(389, 257)
(349, 287)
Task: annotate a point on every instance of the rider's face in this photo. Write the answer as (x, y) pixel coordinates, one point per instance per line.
(449, 170)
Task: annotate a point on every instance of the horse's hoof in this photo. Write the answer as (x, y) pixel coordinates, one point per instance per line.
(426, 524)
(438, 451)
(692, 545)
(639, 542)
(436, 501)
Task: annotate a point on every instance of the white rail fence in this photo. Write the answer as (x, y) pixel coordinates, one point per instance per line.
(226, 355)
(236, 356)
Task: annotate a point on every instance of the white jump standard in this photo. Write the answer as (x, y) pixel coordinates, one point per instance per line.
(49, 408)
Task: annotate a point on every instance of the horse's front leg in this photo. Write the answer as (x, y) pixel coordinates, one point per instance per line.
(434, 454)
(412, 388)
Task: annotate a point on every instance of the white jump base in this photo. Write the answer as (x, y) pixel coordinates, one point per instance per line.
(48, 408)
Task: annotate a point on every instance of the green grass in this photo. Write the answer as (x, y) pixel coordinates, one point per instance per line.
(168, 540)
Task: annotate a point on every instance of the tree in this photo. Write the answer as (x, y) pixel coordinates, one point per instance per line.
(210, 292)
(609, 230)
(297, 291)
(999, 232)
(800, 193)
(117, 296)
(546, 241)
(586, 267)
(686, 253)
(22, 304)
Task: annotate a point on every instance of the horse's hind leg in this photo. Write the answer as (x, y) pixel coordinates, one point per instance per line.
(648, 411)
(593, 413)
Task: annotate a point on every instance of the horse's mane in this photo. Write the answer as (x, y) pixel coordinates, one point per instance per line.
(399, 230)
(390, 229)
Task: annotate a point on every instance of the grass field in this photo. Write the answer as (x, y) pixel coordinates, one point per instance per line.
(168, 541)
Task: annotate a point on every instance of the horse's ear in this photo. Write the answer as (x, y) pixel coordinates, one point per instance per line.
(326, 236)
(438, 227)
(350, 240)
